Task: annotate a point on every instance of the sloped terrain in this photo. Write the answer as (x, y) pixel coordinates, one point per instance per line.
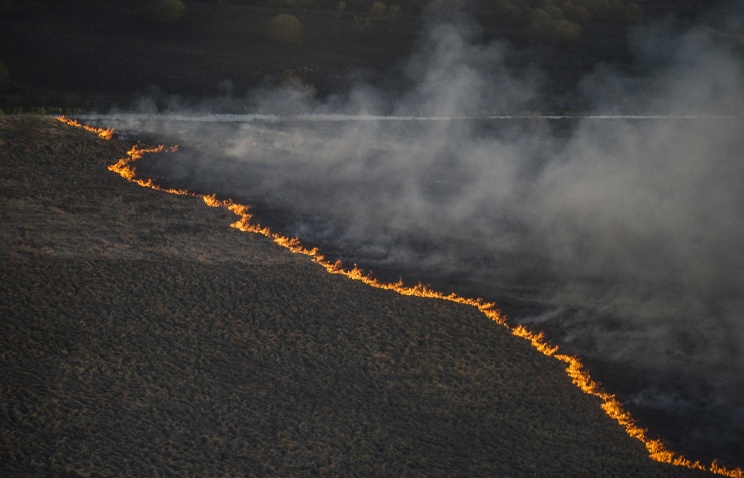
(143, 336)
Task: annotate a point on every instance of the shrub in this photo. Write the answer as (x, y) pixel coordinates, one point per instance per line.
(553, 31)
(376, 9)
(285, 28)
(162, 11)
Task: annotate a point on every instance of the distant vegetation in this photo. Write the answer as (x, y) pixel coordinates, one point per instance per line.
(558, 21)
(161, 11)
(285, 28)
(293, 3)
(546, 21)
(510, 10)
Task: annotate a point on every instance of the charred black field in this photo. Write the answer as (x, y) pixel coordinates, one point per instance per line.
(577, 162)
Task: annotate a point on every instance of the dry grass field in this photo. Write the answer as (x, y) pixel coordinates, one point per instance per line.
(141, 336)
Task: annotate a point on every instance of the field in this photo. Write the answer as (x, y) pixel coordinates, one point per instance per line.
(142, 335)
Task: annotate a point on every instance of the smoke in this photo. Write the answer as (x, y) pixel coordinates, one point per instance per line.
(622, 236)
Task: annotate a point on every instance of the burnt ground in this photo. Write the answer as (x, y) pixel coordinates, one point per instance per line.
(143, 336)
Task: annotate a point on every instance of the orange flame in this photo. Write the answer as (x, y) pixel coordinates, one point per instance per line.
(125, 169)
(580, 377)
(103, 133)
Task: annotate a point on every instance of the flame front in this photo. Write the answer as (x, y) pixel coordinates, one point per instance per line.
(102, 132)
(126, 169)
(580, 377)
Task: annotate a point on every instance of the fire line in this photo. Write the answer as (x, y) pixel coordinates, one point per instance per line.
(103, 133)
(657, 450)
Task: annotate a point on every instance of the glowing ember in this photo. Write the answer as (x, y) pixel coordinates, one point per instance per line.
(657, 450)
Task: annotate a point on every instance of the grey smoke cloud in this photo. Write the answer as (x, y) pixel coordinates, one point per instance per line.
(622, 235)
